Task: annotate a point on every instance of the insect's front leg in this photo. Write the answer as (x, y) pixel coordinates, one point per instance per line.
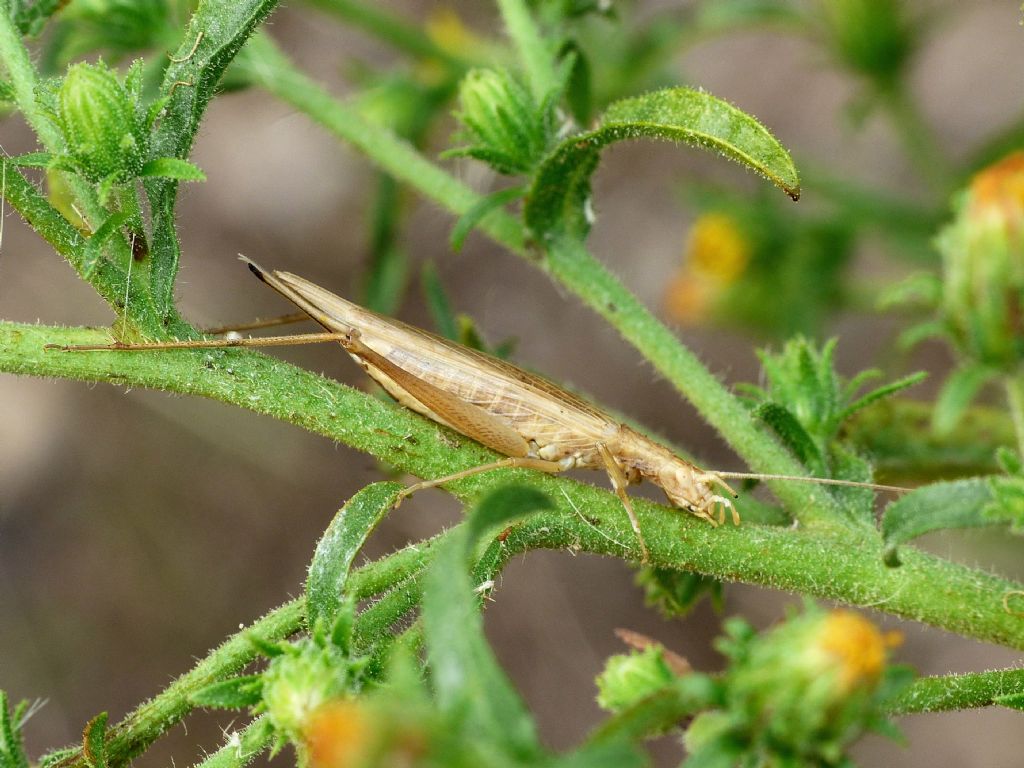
(619, 482)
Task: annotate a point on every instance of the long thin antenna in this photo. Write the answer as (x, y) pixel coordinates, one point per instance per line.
(817, 480)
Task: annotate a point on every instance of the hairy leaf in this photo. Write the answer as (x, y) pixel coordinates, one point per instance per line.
(561, 188)
(234, 693)
(958, 504)
(469, 684)
(338, 547)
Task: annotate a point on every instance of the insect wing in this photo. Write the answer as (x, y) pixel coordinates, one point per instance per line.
(535, 408)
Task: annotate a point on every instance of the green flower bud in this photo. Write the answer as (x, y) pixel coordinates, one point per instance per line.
(871, 37)
(299, 682)
(805, 689)
(983, 267)
(628, 678)
(97, 115)
(502, 124)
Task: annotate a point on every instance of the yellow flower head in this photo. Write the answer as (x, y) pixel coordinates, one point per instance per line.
(857, 646)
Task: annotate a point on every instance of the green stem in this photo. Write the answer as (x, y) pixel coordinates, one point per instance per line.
(946, 693)
(1015, 397)
(390, 29)
(534, 53)
(918, 140)
(152, 719)
(843, 564)
(243, 746)
(568, 262)
(109, 279)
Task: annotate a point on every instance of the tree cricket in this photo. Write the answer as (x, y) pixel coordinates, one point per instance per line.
(534, 423)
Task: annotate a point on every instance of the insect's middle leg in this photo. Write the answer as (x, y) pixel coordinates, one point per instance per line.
(619, 484)
(522, 462)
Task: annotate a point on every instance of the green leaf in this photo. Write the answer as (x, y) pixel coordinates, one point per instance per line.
(344, 537)
(659, 712)
(478, 211)
(958, 504)
(94, 746)
(235, 693)
(882, 392)
(560, 190)
(792, 434)
(437, 302)
(12, 745)
(956, 394)
(675, 593)
(172, 168)
(469, 684)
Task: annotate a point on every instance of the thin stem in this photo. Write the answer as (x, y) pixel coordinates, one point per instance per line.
(535, 54)
(844, 564)
(152, 719)
(945, 693)
(918, 139)
(390, 29)
(1015, 397)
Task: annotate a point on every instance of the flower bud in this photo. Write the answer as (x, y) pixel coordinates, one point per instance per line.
(804, 688)
(983, 267)
(628, 678)
(870, 37)
(97, 115)
(297, 683)
(502, 124)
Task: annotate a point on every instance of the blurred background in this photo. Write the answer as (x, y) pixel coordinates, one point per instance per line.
(138, 529)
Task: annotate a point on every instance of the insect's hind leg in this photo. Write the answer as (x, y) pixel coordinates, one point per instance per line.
(619, 484)
(522, 462)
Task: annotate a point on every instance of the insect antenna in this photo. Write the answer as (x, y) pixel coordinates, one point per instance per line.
(815, 480)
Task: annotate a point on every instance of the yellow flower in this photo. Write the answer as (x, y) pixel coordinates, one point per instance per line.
(715, 255)
(857, 647)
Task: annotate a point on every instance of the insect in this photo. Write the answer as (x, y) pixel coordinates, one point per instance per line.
(532, 422)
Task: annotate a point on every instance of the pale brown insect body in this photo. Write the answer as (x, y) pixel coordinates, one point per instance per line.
(532, 422)
(504, 407)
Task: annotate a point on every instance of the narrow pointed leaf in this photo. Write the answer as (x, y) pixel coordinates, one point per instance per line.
(437, 302)
(479, 211)
(561, 188)
(338, 547)
(957, 393)
(792, 434)
(235, 693)
(172, 168)
(469, 684)
(882, 392)
(94, 746)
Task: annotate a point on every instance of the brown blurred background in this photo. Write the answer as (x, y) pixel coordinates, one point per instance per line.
(138, 529)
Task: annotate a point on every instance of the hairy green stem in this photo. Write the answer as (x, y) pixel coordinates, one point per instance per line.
(944, 693)
(535, 55)
(149, 721)
(844, 564)
(1015, 397)
(918, 140)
